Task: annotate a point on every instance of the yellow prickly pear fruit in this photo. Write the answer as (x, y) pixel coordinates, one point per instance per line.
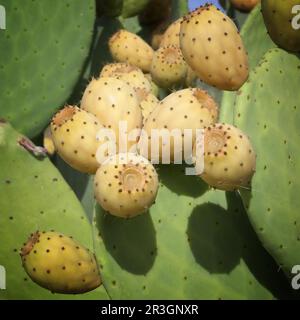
(213, 48)
(229, 158)
(74, 132)
(171, 35)
(130, 74)
(168, 68)
(59, 263)
(128, 47)
(126, 185)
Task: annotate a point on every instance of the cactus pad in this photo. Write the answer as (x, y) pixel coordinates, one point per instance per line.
(36, 198)
(41, 58)
(192, 244)
(268, 110)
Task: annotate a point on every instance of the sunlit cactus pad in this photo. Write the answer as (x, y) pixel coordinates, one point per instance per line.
(34, 197)
(268, 110)
(42, 52)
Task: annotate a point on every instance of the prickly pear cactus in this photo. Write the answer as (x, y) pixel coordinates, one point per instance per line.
(42, 58)
(36, 198)
(257, 42)
(270, 115)
(194, 243)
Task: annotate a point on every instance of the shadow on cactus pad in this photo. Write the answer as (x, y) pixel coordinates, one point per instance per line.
(132, 243)
(170, 175)
(212, 233)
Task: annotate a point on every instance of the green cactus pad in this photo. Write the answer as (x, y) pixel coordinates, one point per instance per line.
(133, 7)
(34, 197)
(257, 42)
(42, 52)
(193, 244)
(268, 110)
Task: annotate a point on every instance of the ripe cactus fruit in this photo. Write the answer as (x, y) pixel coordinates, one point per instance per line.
(74, 132)
(189, 108)
(244, 5)
(171, 35)
(128, 47)
(126, 185)
(278, 17)
(111, 101)
(229, 158)
(168, 68)
(59, 263)
(212, 46)
(132, 75)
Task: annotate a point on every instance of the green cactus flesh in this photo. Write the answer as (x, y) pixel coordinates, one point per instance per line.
(268, 110)
(42, 52)
(194, 243)
(257, 42)
(34, 197)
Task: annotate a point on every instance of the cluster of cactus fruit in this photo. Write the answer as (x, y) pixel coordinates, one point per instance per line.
(155, 89)
(121, 93)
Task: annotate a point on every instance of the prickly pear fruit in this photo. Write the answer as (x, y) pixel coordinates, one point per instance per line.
(128, 47)
(168, 68)
(229, 158)
(281, 21)
(244, 5)
(171, 35)
(126, 185)
(59, 263)
(74, 132)
(212, 46)
(132, 75)
(185, 109)
(111, 101)
(48, 141)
